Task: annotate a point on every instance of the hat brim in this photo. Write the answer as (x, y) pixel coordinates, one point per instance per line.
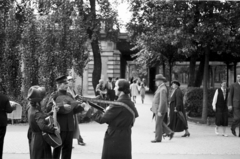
(161, 79)
(175, 82)
(35, 99)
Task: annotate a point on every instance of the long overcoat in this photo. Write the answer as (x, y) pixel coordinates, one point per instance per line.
(117, 141)
(176, 102)
(234, 100)
(39, 147)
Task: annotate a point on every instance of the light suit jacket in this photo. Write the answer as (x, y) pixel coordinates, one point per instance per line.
(160, 100)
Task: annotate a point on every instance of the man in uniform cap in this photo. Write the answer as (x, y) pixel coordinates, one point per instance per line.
(159, 108)
(65, 102)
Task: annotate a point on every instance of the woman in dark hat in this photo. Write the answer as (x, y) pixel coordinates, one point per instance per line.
(39, 148)
(120, 118)
(178, 120)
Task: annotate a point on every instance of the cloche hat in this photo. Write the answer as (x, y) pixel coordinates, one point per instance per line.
(176, 82)
(123, 85)
(36, 93)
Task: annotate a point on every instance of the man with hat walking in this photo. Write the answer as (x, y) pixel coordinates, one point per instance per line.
(234, 104)
(67, 108)
(159, 108)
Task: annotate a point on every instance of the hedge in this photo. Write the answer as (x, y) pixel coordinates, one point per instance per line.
(193, 98)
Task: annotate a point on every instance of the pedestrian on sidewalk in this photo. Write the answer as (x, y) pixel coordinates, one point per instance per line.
(110, 89)
(178, 119)
(134, 90)
(234, 104)
(142, 90)
(76, 134)
(120, 117)
(219, 104)
(5, 108)
(159, 108)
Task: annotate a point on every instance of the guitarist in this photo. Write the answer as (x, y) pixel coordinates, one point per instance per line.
(64, 117)
(38, 146)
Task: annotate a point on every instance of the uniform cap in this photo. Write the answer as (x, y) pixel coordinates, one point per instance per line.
(61, 79)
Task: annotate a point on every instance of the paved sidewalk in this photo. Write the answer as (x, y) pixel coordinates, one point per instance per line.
(202, 143)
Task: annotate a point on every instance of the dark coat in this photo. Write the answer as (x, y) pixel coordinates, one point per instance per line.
(38, 147)
(234, 100)
(110, 92)
(5, 108)
(66, 121)
(117, 141)
(234, 95)
(176, 101)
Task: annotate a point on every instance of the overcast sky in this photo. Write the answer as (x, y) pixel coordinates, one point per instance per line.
(124, 13)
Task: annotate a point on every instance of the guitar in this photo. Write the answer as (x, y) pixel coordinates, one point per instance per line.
(92, 102)
(53, 139)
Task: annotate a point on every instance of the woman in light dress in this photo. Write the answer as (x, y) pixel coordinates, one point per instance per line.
(134, 90)
(142, 91)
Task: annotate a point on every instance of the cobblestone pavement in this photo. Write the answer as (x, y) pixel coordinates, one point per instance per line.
(202, 143)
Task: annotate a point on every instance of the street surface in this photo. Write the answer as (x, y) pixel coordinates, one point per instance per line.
(203, 143)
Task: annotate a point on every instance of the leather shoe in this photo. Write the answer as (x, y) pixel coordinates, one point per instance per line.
(233, 132)
(81, 143)
(171, 135)
(155, 141)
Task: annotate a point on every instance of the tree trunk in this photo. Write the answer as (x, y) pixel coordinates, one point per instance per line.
(192, 67)
(235, 71)
(164, 68)
(205, 87)
(170, 72)
(199, 77)
(97, 69)
(93, 35)
(227, 63)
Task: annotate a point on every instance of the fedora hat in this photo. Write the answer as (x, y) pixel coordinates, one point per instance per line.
(160, 77)
(176, 82)
(36, 93)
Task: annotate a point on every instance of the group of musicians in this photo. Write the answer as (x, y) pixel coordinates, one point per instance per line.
(62, 101)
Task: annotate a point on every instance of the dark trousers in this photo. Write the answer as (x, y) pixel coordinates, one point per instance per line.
(236, 117)
(66, 148)
(161, 128)
(2, 135)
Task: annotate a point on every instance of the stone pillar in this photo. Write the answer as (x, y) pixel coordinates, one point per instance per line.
(110, 66)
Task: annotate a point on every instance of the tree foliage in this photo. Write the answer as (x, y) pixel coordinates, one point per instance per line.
(37, 46)
(42, 39)
(194, 29)
(186, 27)
(11, 26)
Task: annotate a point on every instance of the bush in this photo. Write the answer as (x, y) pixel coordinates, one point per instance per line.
(194, 101)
